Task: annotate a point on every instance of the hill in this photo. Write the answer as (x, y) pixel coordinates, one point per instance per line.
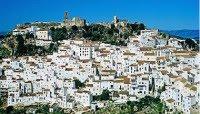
(194, 34)
(3, 33)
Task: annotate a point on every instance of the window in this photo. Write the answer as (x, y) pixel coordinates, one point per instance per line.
(111, 86)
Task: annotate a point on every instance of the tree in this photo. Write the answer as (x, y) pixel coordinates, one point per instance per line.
(52, 47)
(105, 95)
(11, 44)
(1, 101)
(4, 52)
(141, 26)
(44, 109)
(2, 111)
(21, 49)
(29, 35)
(155, 105)
(164, 35)
(146, 105)
(135, 26)
(74, 28)
(41, 50)
(97, 71)
(31, 49)
(78, 84)
(152, 85)
(164, 87)
(191, 44)
(59, 34)
(9, 109)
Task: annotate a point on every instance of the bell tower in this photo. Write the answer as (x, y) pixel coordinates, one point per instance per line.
(65, 17)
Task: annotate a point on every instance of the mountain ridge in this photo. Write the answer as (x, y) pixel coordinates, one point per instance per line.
(184, 33)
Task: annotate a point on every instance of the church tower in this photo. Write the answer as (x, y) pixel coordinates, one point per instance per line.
(65, 17)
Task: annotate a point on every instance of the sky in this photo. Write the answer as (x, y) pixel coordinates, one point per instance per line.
(160, 14)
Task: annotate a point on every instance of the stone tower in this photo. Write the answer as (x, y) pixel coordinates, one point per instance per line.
(65, 17)
(115, 19)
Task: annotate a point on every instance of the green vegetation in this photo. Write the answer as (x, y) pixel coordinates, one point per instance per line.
(29, 36)
(191, 44)
(44, 109)
(4, 52)
(136, 27)
(30, 49)
(155, 104)
(146, 105)
(105, 95)
(188, 43)
(163, 35)
(78, 84)
(9, 109)
(45, 25)
(97, 32)
(42, 25)
(53, 47)
(18, 46)
(59, 34)
(12, 110)
(21, 48)
(2, 101)
(40, 109)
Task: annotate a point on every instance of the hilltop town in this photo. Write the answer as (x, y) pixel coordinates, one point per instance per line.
(89, 74)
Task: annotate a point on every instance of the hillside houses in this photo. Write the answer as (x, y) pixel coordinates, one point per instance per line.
(43, 37)
(130, 72)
